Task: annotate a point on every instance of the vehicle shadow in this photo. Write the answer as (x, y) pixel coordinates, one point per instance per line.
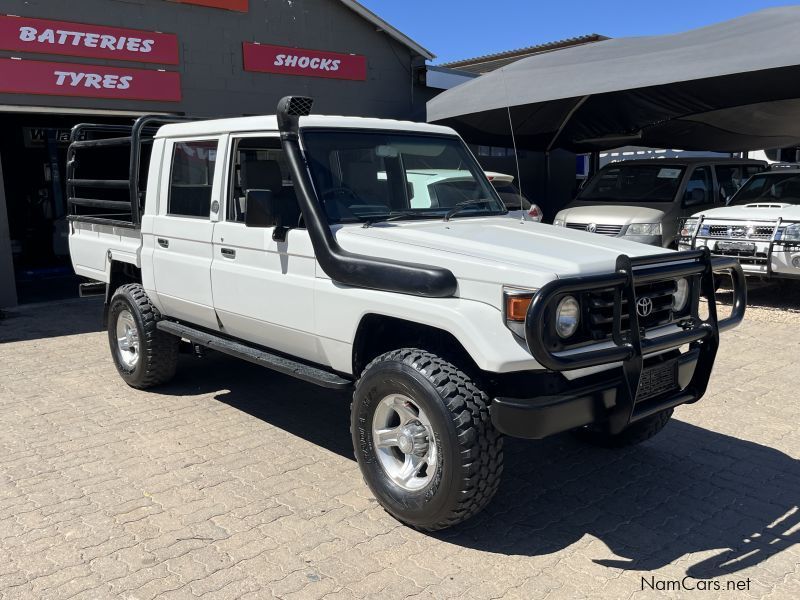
(774, 295)
(688, 490)
(51, 319)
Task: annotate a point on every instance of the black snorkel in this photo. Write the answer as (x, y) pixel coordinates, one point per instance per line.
(340, 265)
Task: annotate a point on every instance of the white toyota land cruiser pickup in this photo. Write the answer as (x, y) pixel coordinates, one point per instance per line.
(292, 241)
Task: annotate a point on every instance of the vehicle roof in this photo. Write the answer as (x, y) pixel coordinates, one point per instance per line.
(690, 160)
(270, 123)
(780, 170)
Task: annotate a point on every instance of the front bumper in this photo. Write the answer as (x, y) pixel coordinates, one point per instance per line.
(768, 257)
(583, 402)
(628, 394)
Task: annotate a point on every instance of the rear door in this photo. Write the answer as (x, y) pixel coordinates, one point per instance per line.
(183, 229)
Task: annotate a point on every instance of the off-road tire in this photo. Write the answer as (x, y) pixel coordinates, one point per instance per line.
(633, 434)
(158, 355)
(469, 449)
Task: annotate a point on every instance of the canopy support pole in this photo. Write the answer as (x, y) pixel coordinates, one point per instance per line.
(553, 141)
(566, 120)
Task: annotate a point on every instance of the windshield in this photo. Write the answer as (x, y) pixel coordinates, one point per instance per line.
(783, 188)
(619, 182)
(367, 176)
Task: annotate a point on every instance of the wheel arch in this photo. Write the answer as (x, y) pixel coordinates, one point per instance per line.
(119, 273)
(377, 334)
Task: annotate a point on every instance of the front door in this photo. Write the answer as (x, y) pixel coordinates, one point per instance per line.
(182, 231)
(263, 288)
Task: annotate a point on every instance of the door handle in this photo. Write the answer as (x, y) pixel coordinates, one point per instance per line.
(163, 243)
(228, 252)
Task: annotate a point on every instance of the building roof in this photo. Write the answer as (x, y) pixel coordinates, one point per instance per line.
(382, 25)
(490, 62)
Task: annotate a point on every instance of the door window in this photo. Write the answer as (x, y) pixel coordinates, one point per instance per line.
(259, 164)
(193, 166)
(731, 177)
(698, 188)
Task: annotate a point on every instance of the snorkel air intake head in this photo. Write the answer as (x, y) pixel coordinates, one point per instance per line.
(290, 109)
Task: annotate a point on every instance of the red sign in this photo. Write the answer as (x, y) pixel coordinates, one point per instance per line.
(299, 61)
(25, 34)
(87, 81)
(239, 5)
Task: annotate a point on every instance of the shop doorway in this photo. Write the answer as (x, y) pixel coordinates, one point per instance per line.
(33, 151)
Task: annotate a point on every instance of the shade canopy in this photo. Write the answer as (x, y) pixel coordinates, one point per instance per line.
(727, 87)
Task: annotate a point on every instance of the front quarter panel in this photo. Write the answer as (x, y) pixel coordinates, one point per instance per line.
(476, 325)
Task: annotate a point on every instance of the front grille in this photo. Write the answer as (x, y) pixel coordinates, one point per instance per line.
(762, 232)
(750, 232)
(600, 308)
(610, 230)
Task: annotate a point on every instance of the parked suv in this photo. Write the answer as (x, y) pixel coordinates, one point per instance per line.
(646, 200)
(293, 242)
(760, 226)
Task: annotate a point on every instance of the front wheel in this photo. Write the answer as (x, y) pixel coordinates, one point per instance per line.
(143, 355)
(424, 440)
(633, 434)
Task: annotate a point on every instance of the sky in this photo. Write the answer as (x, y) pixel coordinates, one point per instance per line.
(458, 29)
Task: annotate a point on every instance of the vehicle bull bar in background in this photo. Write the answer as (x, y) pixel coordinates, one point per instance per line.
(777, 224)
(632, 346)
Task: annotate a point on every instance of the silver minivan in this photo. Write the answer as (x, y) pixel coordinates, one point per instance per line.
(645, 200)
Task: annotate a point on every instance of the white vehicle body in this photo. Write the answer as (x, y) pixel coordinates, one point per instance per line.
(764, 235)
(315, 319)
(376, 255)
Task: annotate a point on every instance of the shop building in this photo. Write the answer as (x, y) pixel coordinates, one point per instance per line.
(62, 63)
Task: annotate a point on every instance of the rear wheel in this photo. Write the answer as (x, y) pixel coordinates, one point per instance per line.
(143, 355)
(424, 440)
(633, 434)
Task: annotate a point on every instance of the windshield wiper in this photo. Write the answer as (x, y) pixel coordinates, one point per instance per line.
(395, 216)
(461, 206)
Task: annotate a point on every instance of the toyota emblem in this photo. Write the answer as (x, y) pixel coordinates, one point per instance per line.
(644, 306)
(591, 227)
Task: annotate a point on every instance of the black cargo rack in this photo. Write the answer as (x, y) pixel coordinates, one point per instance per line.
(118, 202)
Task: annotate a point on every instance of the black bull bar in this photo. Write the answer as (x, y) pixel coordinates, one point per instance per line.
(631, 347)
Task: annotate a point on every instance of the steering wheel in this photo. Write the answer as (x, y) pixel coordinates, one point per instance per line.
(339, 193)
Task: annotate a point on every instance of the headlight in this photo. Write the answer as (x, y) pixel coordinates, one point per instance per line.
(559, 222)
(689, 227)
(681, 295)
(791, 233)
(515, 308)
(644, 229)
(568, 316)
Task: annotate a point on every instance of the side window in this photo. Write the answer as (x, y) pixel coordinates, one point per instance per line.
(750, 170)
(192, 176)
(730, 178)
(698, 188)
(258, 163)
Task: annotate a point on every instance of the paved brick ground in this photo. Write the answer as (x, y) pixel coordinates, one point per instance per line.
(233, 482)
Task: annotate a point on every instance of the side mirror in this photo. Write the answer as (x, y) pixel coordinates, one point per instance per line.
(260, 209)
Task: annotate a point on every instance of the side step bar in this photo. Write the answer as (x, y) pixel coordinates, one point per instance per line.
(94, 288)
(257, 356)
